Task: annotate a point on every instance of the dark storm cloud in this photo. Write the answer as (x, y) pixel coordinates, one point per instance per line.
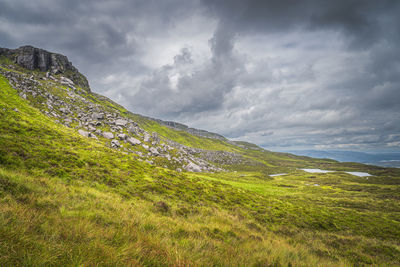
(284, 73)
(360, 19)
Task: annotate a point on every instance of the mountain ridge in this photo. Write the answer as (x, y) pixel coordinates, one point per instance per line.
(384, 159)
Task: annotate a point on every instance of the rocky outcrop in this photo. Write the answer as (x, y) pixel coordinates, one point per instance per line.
(191, 167)
(72, 108)
(33, 58)
(194, 131)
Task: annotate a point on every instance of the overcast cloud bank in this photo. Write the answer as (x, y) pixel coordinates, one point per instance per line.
(282, 74)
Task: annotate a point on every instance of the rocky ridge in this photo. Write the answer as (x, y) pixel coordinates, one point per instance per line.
(60, 98)
(194, 131)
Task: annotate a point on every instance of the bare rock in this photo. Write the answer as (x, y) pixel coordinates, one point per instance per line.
(154, 151)
(91, 128)
(191, 167)
(146, 137)
(83, 133)
(122, 136)
(115, 143)
(108, 135)
(33, 58)
(133, 141)
(97, 116)
(121, 122)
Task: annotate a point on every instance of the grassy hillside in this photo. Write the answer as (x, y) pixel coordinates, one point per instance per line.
(70, 200)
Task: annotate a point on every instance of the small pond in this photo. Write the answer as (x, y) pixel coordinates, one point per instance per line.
(359, 174)
(277, 174)
(316, 171)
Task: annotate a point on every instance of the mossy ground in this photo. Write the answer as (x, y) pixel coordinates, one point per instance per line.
(70, 200)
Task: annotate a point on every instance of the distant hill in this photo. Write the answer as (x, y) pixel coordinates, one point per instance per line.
(379, 159)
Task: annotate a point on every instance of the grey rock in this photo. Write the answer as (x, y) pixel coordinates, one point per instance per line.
(108, 135)
(121, 122)
(133, 141)
(193, 167)
(91, 128)
(146, 137)
(92, 135)
(154, 151)
(122, 136)
(115, 143)
(133, 130)
(97, 116)
(83, 133)
(67, 82)
(64, 110)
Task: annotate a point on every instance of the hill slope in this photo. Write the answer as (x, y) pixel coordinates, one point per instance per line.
(83, 181)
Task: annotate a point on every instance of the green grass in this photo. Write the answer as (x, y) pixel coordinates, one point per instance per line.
(185, 138)
(70, 200)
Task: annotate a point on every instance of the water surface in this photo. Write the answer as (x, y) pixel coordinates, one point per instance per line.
(359, 174)
(316, 171)
(277, 174)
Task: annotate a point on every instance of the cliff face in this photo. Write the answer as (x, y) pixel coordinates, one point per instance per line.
(33, 58)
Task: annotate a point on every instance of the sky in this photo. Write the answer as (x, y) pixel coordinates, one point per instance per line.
(284, 74)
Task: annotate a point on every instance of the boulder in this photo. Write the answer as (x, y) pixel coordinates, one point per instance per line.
(133, 141)
(122, 136)
(121, 122)
(91, 128)
(83, 133)
(133, 130)
(115, 143)
(191, 167)
(66, 81)
(108, 135)
(91, 135)
(146, 137)
(154, 151)
(97, 116)
(64, 110)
